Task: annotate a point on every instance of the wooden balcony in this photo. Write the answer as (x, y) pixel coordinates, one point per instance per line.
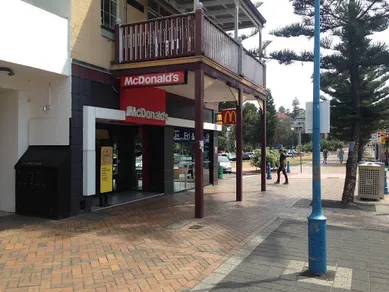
(184, 35)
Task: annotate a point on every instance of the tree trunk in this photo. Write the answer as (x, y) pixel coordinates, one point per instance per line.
(351, 169)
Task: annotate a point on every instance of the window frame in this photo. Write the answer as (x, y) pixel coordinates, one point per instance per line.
(110, 27)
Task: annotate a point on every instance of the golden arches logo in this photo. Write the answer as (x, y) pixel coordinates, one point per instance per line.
(229, 117)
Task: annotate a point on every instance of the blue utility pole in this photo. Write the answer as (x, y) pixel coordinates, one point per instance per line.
(317, 247)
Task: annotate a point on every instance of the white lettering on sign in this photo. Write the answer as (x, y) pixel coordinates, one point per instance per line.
(145, 114)
(147, 80)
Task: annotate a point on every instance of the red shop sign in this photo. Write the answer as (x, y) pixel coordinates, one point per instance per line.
(158, 79)
(145, 106)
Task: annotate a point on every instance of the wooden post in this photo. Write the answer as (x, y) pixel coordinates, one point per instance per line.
(199, 136)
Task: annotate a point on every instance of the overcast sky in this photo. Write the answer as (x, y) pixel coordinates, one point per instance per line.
(287, 82)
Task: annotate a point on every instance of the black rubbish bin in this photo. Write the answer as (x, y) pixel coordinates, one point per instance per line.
(43, 182)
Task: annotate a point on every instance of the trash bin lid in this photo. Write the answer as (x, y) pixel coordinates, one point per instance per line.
(44, 156)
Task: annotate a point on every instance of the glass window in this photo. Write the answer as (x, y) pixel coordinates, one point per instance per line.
(108, 13)
(184, 159)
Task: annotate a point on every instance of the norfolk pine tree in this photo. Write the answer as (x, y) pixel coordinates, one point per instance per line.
(354, 68)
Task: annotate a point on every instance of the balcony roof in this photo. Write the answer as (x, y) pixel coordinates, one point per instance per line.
(222, 12)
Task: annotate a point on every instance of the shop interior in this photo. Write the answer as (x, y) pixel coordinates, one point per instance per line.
(184, 159)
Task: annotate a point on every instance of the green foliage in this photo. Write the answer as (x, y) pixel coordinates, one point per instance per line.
(271, 119)
(282, 110)
(251, 126)
(223, 139)
(330, 145)
(272, 156)
(283, 133)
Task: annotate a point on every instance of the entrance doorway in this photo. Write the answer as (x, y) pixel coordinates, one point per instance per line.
(184, 159)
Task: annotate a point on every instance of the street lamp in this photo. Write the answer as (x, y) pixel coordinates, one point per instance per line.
(228, 141)
(292, 129)
(317, 247)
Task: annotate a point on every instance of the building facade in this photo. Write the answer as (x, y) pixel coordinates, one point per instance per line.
(132, 112)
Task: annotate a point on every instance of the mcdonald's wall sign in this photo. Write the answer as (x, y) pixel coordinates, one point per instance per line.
(229, 117)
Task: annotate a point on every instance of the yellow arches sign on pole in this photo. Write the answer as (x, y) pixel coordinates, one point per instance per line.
(229, 116)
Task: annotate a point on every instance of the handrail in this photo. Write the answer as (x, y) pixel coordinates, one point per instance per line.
(157, 19)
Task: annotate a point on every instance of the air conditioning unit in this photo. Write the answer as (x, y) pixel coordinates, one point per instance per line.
(371, 181)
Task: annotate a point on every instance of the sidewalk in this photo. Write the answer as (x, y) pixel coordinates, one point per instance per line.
(157, 245)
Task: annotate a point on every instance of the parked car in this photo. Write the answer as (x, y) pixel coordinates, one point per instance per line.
(245, 156)
(225, 163)
(291, 153)
(250, 154)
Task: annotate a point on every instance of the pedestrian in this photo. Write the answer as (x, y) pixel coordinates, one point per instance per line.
(325, 155)
(282, 168)
(341, 155)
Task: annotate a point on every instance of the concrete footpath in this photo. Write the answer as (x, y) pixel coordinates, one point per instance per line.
(259, 244)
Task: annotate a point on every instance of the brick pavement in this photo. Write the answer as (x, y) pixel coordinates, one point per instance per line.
(156, 244)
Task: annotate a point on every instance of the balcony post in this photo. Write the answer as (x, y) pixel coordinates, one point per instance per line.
(239, 146)
(240, 60)
(263, 147)
(199, 34)
(199, 138)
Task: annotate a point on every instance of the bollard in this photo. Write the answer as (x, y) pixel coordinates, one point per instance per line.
(268, 171)
(288, 167)
(221, 172)
(386, 191)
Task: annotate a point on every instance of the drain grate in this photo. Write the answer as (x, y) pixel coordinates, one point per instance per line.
(196, 227)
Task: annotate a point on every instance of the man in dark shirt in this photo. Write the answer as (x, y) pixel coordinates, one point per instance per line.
(282, 168)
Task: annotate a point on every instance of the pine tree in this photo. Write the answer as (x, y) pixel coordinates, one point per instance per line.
(354, 68)
(271, 119)
(281, 110)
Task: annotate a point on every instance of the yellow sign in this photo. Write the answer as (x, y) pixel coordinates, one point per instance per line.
(106, 170)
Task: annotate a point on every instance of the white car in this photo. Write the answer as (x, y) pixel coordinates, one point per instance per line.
(225, 163)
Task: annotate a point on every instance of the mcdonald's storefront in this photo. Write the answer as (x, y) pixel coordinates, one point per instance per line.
(150, 133)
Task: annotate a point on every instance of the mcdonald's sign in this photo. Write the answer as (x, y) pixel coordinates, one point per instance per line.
(229, 117)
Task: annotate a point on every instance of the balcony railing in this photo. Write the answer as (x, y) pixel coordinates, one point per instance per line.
(185, 35)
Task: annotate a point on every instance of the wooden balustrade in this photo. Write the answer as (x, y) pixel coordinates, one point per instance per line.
(175, 37)
(161, 38)
(253, 69)
(220, 47)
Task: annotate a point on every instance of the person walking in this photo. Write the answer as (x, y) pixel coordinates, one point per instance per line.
(282, 168)
(325, 155)
(341, 155)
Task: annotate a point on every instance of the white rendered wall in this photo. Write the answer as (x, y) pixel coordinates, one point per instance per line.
(14, 111)
(34, 37)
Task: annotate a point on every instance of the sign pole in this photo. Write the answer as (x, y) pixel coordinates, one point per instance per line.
(301, 150)
(317, 257)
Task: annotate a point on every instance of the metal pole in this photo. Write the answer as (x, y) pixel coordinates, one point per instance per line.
(263, 149)
(239, 145)
(228, 141)
(292, 143)
(317, 257)
(301, 150)
(236, 19)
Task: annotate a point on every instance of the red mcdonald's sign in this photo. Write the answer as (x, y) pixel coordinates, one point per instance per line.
(229, 117)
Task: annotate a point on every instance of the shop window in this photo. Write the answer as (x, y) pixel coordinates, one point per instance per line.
(184, 159)
(108, 14)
